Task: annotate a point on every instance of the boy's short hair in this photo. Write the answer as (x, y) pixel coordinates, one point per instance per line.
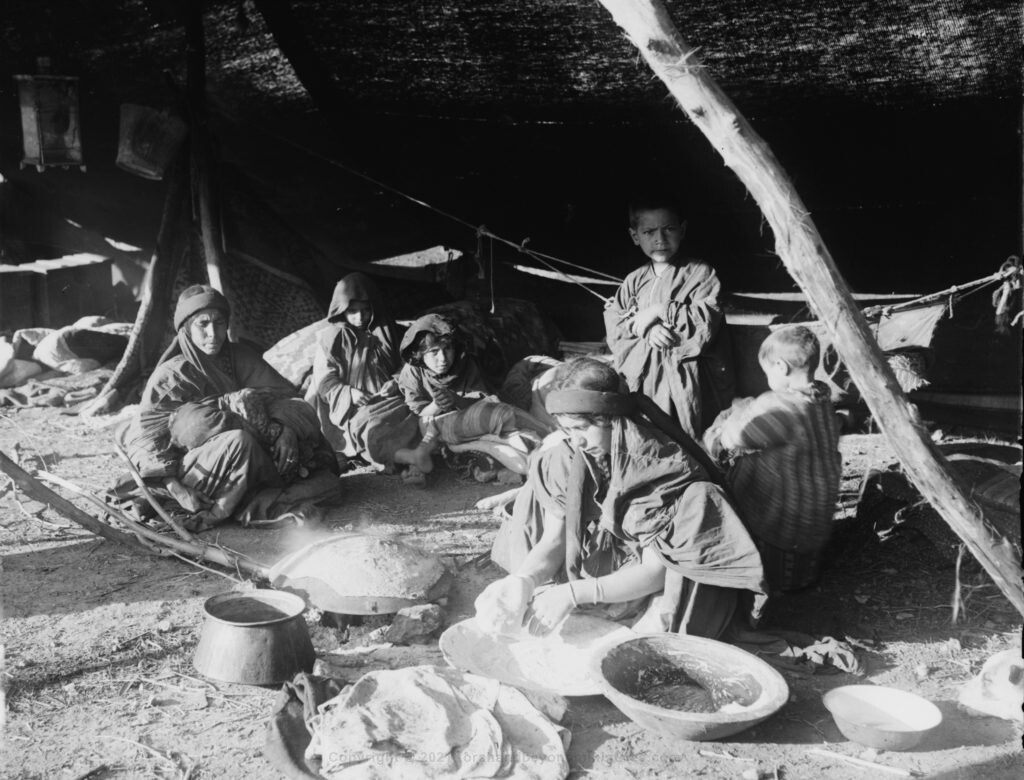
(651, 200)
(796, 346)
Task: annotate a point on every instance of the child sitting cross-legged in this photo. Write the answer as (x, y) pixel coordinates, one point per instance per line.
(442, 384)
(784, 465)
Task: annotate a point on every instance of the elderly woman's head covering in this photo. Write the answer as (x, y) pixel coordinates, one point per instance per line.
(218, 368)
(196, 298)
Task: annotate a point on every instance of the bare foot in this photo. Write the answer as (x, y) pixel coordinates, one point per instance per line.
(413, 476)
(418, 456)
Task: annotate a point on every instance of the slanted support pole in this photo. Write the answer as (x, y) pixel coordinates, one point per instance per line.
(798, 244)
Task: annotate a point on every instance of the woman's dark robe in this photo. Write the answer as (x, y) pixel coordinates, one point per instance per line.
(226, 460)
(648, 493)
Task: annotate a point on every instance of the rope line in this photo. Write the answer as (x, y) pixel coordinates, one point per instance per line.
(479, 230)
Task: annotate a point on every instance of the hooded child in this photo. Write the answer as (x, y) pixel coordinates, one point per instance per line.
(353, 363)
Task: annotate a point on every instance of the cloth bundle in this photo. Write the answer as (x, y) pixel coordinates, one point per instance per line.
(794, 651)
(428, 721)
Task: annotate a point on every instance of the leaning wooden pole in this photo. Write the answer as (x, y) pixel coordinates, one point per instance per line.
(201, 146)
(153, 317)
(798, 244)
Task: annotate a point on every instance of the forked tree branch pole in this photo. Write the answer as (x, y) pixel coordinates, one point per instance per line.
(798, 244)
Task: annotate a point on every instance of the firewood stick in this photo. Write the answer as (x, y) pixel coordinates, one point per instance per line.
(150, 497)
(493, 502)
(868, 764)
(95, 500)
(35, 490)
(196, 548)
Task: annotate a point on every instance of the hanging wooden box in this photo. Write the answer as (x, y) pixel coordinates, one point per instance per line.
(148, 140)
(74, 286)
(18, 291)
(50, 121)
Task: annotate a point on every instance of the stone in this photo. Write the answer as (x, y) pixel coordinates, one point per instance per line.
(415, 625)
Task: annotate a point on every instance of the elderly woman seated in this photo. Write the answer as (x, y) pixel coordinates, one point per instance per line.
(220, 431)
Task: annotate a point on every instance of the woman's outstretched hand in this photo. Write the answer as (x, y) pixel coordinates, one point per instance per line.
(501, 605)
(286, 449)
(548, 609)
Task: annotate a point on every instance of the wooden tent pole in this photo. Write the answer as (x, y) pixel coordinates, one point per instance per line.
(153, 316)
(798, 244)
(201, 146)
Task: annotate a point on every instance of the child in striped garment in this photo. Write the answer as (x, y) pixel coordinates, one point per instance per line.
(783, 463)
(442, 384)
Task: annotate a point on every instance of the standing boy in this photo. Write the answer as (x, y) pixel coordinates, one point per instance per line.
(785, 465)
(664, 326)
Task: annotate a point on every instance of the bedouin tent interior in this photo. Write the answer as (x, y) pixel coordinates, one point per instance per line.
(325, 135)
(274, 146)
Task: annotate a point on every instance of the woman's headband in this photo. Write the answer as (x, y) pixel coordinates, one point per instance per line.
(588, 402)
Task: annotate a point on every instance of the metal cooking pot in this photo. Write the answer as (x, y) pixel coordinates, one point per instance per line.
(255, 638)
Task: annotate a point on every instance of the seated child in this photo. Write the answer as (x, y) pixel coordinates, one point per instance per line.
(784, 463)
(616, 513)
(443, 385)
(664, 326)
(353, 362)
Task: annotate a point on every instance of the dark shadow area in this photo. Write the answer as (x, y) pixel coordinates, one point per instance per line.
(958, 729)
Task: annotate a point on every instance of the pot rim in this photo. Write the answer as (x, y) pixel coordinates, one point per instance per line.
(290, 603)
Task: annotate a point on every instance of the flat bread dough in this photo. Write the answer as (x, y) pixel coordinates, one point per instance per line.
(558, 663)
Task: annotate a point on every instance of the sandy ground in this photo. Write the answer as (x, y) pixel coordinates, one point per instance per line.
(99, 640)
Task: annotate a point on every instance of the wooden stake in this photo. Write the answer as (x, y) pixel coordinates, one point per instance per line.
(798, 244)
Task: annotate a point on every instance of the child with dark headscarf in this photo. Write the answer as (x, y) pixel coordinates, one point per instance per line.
(442, 384)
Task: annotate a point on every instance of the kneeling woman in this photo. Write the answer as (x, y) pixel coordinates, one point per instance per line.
(616, 513)
(217, 423)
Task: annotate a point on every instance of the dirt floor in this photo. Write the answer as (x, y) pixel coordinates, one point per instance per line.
(99, 640)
